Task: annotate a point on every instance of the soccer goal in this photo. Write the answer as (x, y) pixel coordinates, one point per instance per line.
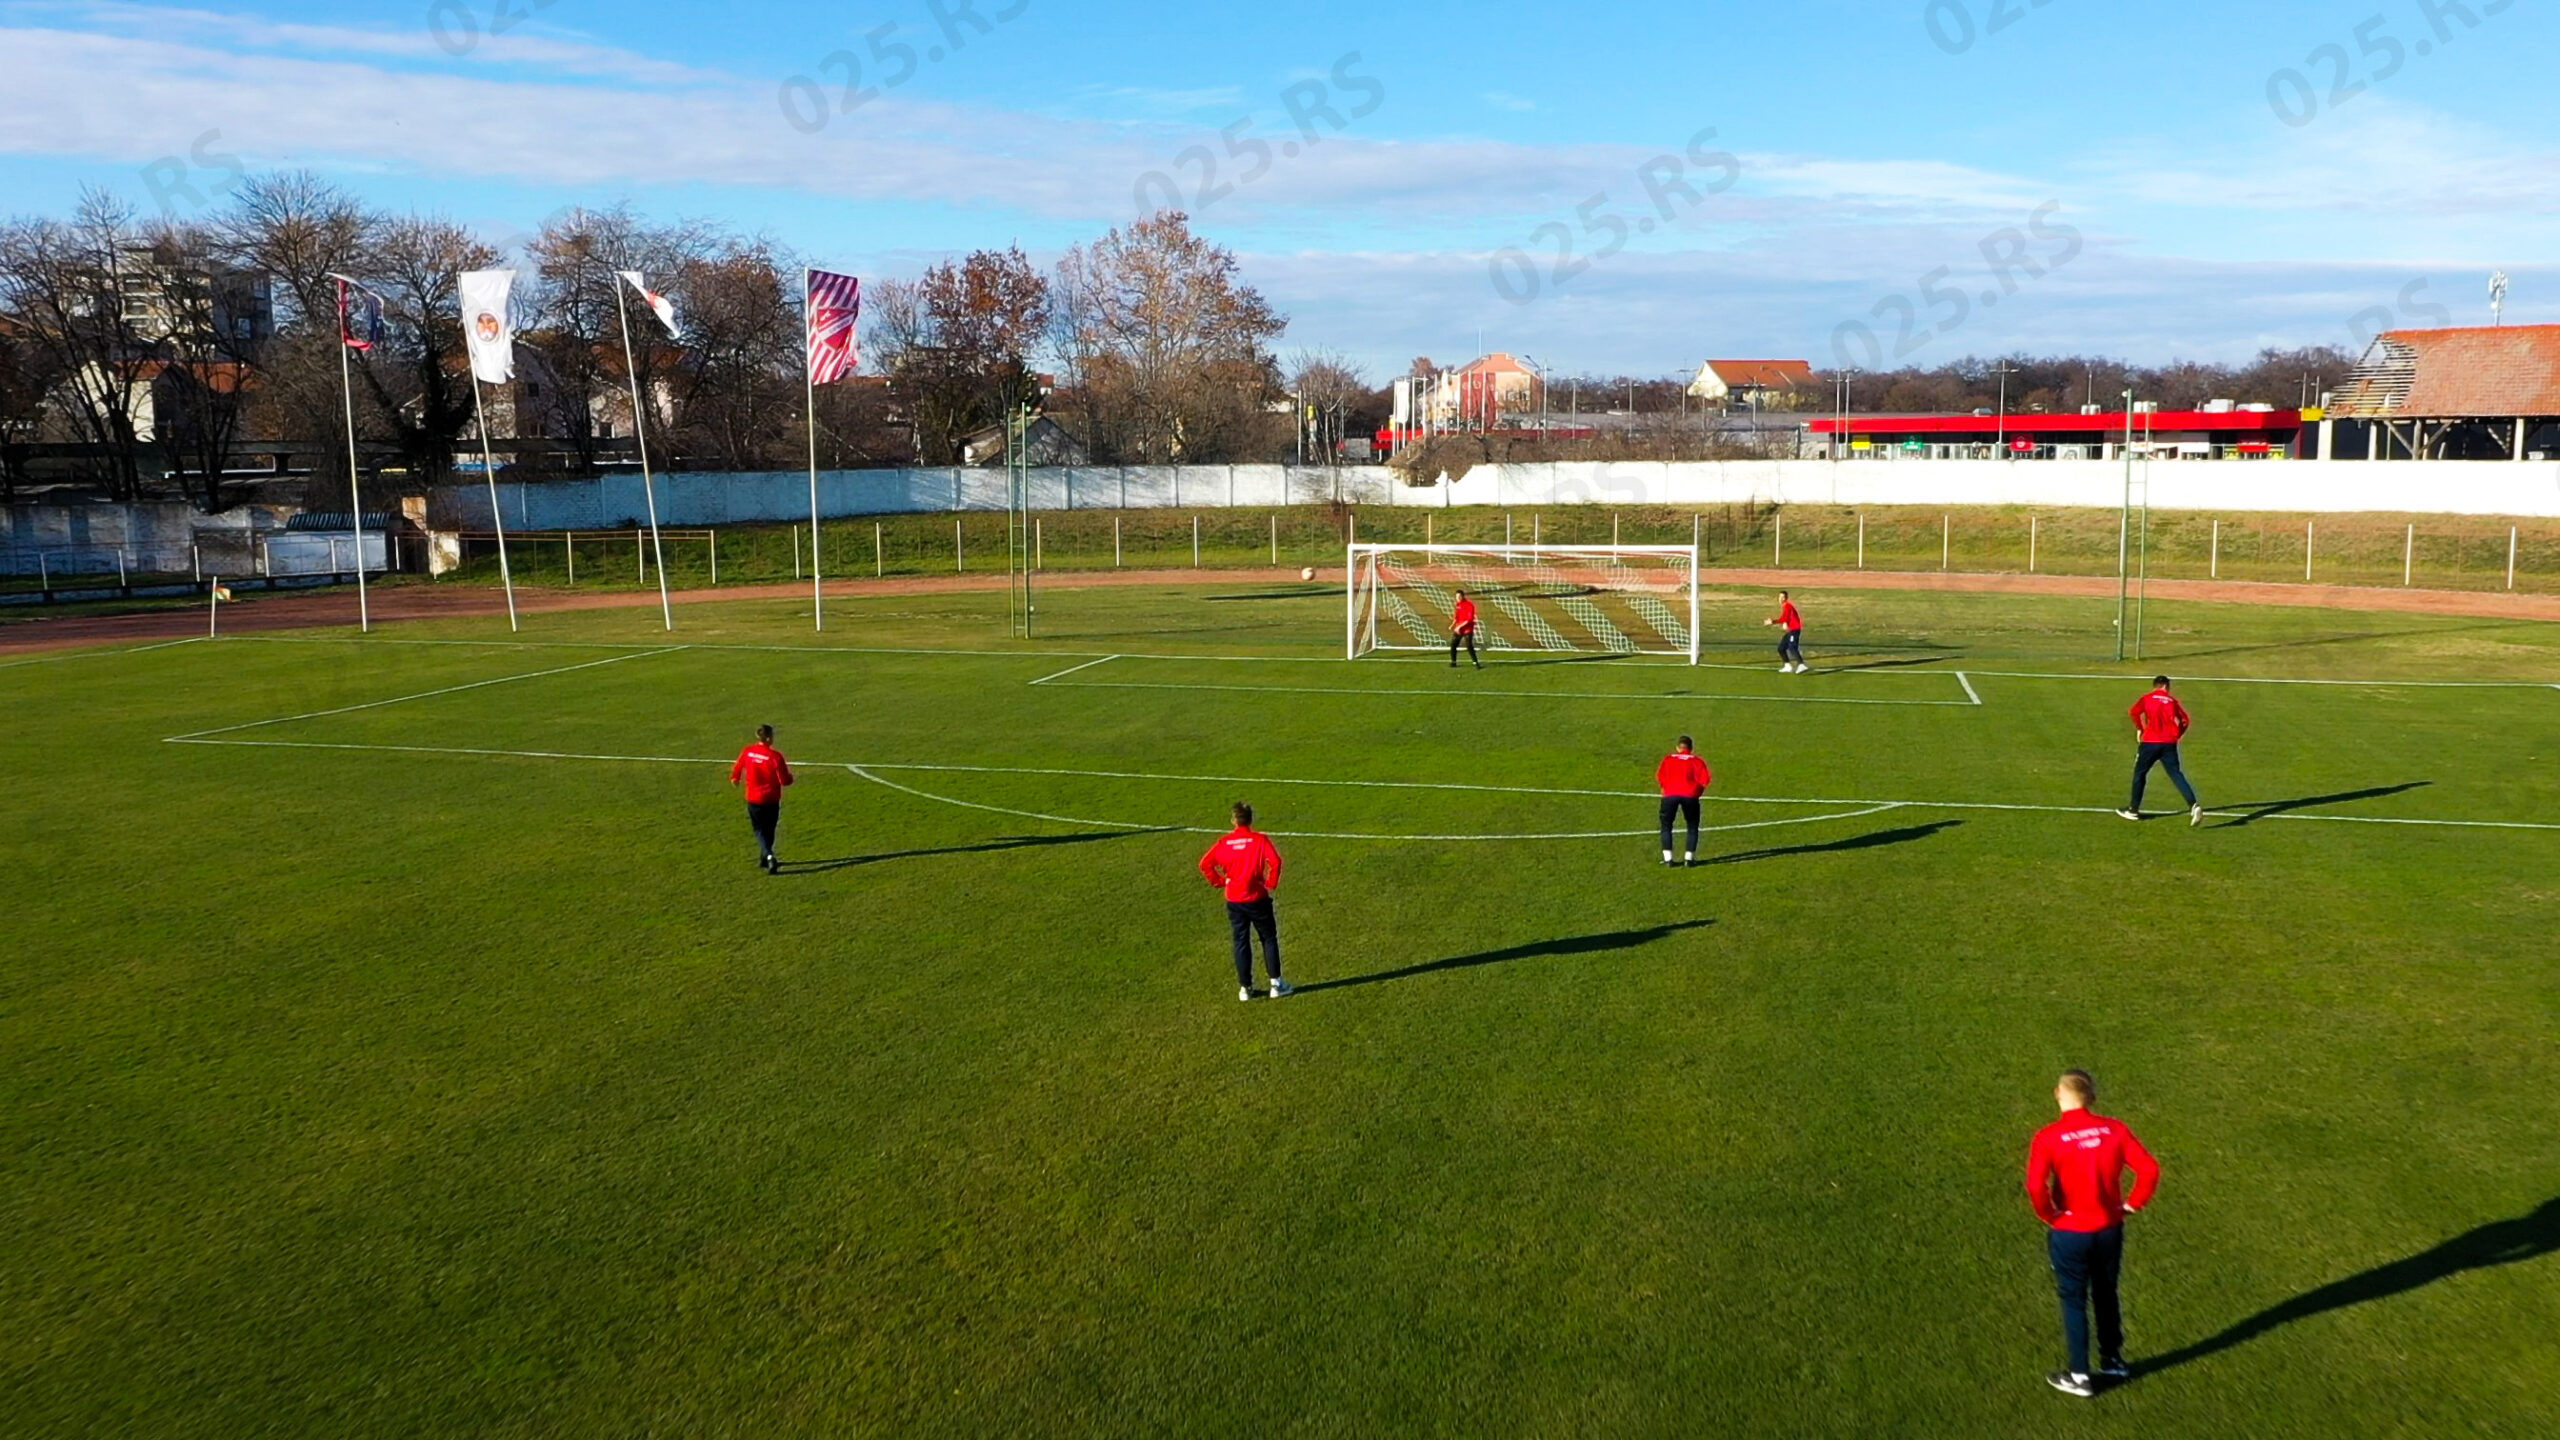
(1609, 599)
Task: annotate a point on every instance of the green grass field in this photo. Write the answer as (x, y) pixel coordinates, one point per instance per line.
(443, 1065)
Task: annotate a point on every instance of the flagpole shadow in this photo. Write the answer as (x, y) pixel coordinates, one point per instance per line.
(1576, 945)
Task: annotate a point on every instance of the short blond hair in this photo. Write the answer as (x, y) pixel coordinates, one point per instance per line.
(2082, 1088)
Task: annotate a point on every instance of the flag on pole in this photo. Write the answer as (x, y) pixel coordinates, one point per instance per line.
(488, 330)
(835, 304)
(659, 304)
(359, 314)
(221, 592)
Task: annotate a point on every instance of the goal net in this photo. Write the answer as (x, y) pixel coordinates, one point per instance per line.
(1607, 599)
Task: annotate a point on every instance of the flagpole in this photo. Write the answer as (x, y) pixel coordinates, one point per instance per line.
(355, 494)
(809, 373)
(640, 433)
(489, 468)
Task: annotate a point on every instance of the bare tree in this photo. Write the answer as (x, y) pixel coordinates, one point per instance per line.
(576, 258)
(1165, 347)
(1326, 383)
(66, 287)
(957, 345)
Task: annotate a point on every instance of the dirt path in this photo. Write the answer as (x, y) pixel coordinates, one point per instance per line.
(398, 603)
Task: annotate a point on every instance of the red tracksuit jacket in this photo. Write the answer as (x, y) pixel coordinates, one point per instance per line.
(2075, 1172)
(2163, 720)
(1683, 777)
(1788, 619)
(764, 771)
(1245, 864)
(1465, 617)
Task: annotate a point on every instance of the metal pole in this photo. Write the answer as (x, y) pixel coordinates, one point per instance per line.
(213, 608)
(2409, 557)
(1275, 535)
(1778, 545)
(1862, 541)
(879, 552)
(1195, 542)
(489, 471)
(2216, 571)
(1115, 542)
(715, 558)
(1039, 556)
(809, 381)
(2124, 529)
(1946, 541)
(569, 544)
(2142, 567)
(795, 552)
(640, 434)
(2511, 557)
(959, 554)
(355, 495)
(2310, 537)
(2031, 544)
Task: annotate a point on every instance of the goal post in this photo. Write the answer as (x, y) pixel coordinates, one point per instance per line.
(1559, 599)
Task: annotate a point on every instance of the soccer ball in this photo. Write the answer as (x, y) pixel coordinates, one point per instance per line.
(1308, 573)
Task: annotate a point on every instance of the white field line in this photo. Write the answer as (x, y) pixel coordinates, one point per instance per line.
(1063, 674)
(1322, 835)
(1861, 806)
(1463, 693)
(421, 695)
(2127, 678)
(102, 654)
(1967, 682)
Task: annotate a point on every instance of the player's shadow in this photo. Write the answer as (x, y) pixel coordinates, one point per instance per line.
(1899, 835)
(1576, 945)
(1837, 667)
(2501, 1242)
(2253, 813)
(1010, 842)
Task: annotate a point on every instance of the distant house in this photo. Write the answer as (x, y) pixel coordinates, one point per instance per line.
(1750, 382)
(1049, 442)
(2477, 393)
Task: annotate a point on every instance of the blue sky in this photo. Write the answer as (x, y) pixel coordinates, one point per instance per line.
(2208, 181)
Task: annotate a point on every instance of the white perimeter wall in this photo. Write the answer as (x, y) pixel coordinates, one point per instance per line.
(2438, 487)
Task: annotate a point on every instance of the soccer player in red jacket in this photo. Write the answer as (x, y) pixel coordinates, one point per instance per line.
(1246, 866)
(2075, 1178)
(1790, 623)
(1684, 777)
(1462, 631)
(763, 772)
(2162, 723)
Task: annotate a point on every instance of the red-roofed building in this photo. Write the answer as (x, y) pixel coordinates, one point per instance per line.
(2481, 393)
(1750, 382)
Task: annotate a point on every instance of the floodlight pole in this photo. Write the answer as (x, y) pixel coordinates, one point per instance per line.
(2124, 528)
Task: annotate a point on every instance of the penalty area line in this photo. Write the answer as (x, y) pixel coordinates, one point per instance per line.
(1063, 674)
(1462, 693)
(421, 695)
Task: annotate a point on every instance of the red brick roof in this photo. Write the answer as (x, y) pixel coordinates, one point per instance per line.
(2492, 372)
(1766, 374)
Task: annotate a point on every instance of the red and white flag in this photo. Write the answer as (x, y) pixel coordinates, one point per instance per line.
(659, 304)
(835, 304)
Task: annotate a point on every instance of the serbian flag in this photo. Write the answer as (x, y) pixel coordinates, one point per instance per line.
(659, 305)
(488, 331)
(835, 303)
(359, 314)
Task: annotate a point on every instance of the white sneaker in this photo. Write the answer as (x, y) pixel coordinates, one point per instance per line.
(1784, 669)
(1245, 994)
(2195, 814)
(2128, 814)
(1281, 987)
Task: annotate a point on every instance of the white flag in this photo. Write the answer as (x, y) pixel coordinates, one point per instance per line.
(487, 329)
(664, 308)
